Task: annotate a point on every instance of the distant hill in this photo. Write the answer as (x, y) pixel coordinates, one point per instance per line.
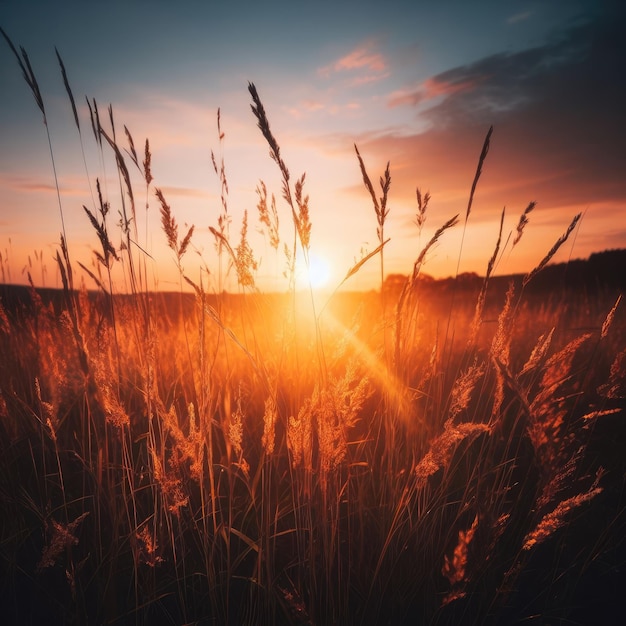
(602, 271)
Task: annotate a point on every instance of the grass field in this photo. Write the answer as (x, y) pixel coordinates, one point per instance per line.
(437, 452)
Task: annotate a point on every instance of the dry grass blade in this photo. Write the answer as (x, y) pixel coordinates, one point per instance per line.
(68, 89)
(461, 393)
(220, 133)
(539, 352)
(554, 520)
(513, 384)
(422, 205)
(131, 144)
(434, 239)
(479, 169)
(409, 284)
(546, 259)
(303, 222)
(213, 314)
(107, 246)
(184, 244)
(62, 538)
(367, 181)
(94, 278)
(68, 265)
(147, 161)
(492, 260)
(27, 73)
(104, 206)
(121, 163)
(112, 121)
(454, 567)
(353, 270)
(418, 264)
(268, 216)
(195, 286)
(380, 206)
(523, 220)
(29, 77)
(222, 240)
(245, 263)
(480, 303)
(263, 123)
(361, 262)
(609, 318)
(300, 221)
(170, 227)
(63, 273)
(443, 446)
(385, 184)
(94, 116)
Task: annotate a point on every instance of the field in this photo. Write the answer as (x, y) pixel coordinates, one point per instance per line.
(436, 452)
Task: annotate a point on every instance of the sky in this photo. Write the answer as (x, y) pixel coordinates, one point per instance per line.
(416, 84)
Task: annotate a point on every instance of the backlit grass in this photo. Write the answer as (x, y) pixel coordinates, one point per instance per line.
(430, 452)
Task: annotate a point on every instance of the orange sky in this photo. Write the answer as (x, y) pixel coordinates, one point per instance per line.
(418, 87)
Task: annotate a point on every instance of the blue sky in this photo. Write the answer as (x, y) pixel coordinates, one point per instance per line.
(415, 83)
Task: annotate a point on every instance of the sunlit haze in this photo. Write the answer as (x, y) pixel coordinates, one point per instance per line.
(417, 84)
(318, 273)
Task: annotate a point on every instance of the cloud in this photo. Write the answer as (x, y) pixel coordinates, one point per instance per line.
(184, 192)
(28, 184)
(364, 61)
(367, 79)
(310, 107)
(432, 88)
(578, 73)
(361, 57)
(519, 17)
(559, 136)
(557, 109)
(304, 108)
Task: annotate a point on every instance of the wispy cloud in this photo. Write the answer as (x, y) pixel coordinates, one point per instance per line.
(368, 79)
(185, 192)
(432, 88)
(30, 185)
(363, 56)
(306, 108)
(519, 17)
(34, 185)
(364, 64)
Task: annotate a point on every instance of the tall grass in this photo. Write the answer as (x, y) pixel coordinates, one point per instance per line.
(247, 458)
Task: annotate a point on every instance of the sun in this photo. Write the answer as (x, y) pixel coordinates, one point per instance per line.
(318, 275)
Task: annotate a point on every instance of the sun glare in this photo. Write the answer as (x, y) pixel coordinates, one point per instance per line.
(318, 274)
